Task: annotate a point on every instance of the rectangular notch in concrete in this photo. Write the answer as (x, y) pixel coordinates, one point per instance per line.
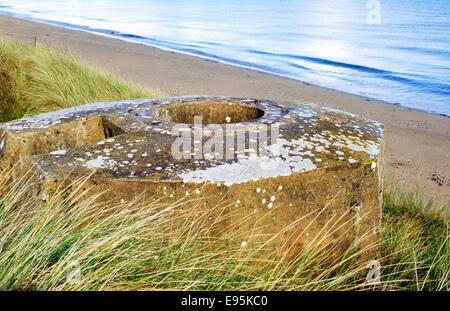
(65, 135)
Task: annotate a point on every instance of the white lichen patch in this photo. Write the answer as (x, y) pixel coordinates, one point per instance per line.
(239, 172)
(96, 163)
(59, 152)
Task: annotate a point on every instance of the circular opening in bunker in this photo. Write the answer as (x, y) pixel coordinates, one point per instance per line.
(211, 112)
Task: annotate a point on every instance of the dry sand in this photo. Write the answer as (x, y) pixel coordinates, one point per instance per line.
(417, 143)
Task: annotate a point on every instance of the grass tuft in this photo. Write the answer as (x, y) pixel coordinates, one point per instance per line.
(37, 79)
(415, 243)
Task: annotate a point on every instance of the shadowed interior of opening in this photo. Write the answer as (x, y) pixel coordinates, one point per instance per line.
(70, 135)
(211, 112)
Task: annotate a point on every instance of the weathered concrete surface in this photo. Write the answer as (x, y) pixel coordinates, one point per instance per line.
(322, 159)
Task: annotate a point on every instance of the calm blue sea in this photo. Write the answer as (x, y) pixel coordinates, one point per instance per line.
(396, 50)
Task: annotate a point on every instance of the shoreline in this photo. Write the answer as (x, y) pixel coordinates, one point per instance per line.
(416, 142)
(129, 38)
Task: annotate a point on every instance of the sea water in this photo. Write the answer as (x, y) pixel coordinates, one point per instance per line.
(397, 50)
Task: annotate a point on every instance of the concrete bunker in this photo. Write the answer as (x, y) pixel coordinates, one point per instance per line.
(322, 159)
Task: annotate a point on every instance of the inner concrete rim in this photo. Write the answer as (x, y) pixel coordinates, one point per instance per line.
(211, 112)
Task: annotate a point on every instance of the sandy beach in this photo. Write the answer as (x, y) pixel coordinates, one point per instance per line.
(417, 143)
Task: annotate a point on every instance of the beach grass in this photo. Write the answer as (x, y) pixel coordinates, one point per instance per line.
(38, 79)
(415, 241)
(71, 241)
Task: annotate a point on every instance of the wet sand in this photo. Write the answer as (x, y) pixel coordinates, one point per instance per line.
(417, 143)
